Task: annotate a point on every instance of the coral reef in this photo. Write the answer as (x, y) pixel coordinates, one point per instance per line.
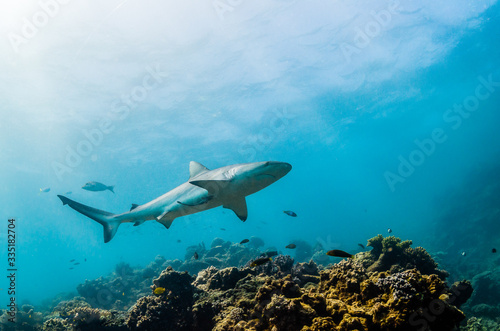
(392, 287)
(170, 310)
(392, 254)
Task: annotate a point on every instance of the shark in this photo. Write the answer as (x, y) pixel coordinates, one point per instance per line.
(206, 189)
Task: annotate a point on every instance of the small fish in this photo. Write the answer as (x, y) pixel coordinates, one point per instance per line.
(269, 254)
(260, 261)
(389, 230)
(45, 190)
(291, 246)
(71, 268)
(159, 290)
(361, 245)
(463, 253)
(123, 293)
(68, 193)
(195, 255)
(72, 260)
(223, 229)
(338, 253)
(85, 260)
(494, 250)
(97, 187)
(76, 263)
(290, 213)
(178, 241)
(244, 241)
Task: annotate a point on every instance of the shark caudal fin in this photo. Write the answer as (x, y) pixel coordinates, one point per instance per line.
(111, 188)
(102, 217)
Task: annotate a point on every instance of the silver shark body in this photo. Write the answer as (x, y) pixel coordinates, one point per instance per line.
(227, 186)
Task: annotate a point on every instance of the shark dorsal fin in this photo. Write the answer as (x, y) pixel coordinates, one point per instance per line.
(196, 168)
(239, 206)
(134, 205)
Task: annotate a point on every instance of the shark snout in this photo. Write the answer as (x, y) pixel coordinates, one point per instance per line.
(277, 169)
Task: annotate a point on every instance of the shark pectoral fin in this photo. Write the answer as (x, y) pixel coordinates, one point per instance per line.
(134, 205)
(212, 186)
(196, 168)
(165, 219)
(139, 222)
(239, 207)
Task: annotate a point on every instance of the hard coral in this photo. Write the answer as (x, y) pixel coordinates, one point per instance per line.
(392, 254)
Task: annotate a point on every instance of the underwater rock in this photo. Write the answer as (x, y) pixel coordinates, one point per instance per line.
(460, 293)
(171, 310)
(255, 242)
(304, 273)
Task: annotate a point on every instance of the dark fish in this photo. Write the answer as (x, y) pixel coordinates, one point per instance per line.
(269, 254)
(291, 246)
(389, 230)
(260, 261)
(195, 255)
(97, 187)
(72, 260)
(223, 229)
(290, 213)
(85, 260)
(244, 241)
(338, 253)
(76, 263)
(178, 240)
(361, 245)
(494, 250)
(71, 268)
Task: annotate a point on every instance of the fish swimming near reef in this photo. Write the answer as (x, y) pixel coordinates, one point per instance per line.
(338, 253)
(227, 187)
(260, 261)
(361, 245)
(196, 256)
(290, 213)
(97, 187)
(244, 241)
(159, 290)
(389, 230)
(291, 246)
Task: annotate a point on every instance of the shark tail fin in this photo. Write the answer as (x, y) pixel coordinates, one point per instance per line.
(111, 188)
(100, 216)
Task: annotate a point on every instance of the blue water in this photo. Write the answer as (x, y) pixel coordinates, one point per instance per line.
(345, 91)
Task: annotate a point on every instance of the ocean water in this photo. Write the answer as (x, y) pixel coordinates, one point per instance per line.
(388, 112)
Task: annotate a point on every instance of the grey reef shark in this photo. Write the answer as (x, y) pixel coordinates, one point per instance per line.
(227, 187)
